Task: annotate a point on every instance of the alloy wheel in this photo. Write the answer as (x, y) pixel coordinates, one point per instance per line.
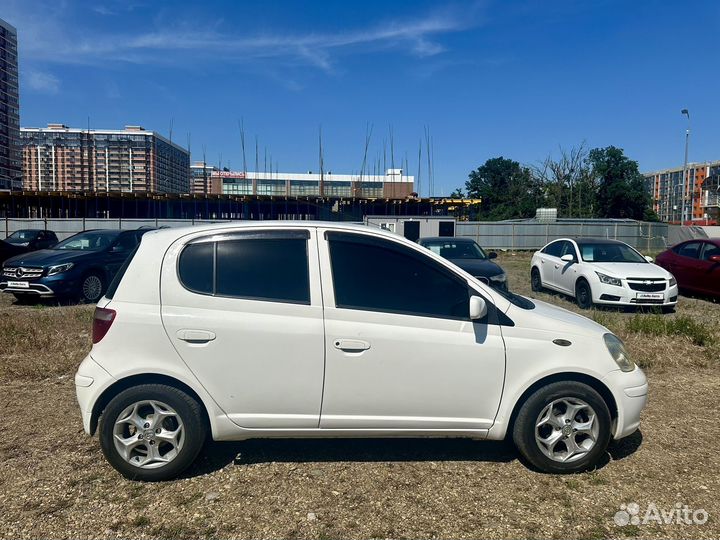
(566, 429)
(148, 434)
(92, 287)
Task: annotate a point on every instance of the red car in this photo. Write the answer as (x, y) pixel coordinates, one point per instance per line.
(695, 264)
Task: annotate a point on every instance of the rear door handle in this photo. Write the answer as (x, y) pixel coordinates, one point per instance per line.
(351, 345)
(196, 336)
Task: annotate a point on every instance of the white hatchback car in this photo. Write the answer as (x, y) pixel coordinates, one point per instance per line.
(602, 271)
(301, 329)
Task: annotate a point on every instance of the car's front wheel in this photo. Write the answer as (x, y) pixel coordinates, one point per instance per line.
(92, 287)
(152, 432)
(583, 294)
(563, 427)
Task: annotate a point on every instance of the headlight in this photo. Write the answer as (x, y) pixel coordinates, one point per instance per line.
(616, 348)
(57, 269)
(499, 278)
(673, 281)
(609, 280)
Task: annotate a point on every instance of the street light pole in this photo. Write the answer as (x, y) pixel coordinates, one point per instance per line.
(687, 140)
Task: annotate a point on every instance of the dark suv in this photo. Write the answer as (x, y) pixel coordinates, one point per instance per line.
(32, 239)
(80, 267)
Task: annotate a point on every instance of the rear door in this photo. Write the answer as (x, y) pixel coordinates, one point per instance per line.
(401, 352)
(687, 265)
(244, 311)
(709, 278)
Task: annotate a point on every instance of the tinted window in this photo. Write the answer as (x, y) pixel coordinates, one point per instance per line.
(126, 242)
(709, 251)
(553, 249)
(261, 266)
(196, 267)
(118, 277)
(454, 249)
(264, 268)
(568, 249)
(691, 249)
(379, 275)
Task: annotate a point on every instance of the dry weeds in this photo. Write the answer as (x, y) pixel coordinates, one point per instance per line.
(55, 483)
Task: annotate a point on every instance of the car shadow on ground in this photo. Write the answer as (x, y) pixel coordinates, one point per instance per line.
(218, 455)
(609, 308)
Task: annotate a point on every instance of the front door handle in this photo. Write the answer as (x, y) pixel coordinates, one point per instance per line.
(196, 336)
(351, 345)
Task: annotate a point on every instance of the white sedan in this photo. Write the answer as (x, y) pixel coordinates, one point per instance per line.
(602, 271)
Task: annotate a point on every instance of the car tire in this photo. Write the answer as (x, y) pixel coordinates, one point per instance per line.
(137, 446)
(583, 294)
(550, 448)
(536, 280)
(92, 288)
(668, 309)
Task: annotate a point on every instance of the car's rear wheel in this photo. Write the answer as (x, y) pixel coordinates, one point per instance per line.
(152, 432)
(583, 294)
(536, 280)
(92, 287)
(563, 427)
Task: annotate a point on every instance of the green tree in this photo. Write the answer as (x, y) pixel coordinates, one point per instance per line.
(621, 189)
(507, 189)
(457, 194)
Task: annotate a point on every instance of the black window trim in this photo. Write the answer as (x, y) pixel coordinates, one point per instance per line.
(215, 239)
(685, 244)
(420, 256)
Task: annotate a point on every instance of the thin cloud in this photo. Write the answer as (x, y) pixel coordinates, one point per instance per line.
(48, 40)
(42, 82)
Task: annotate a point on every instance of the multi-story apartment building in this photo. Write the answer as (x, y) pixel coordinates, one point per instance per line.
(201, 178)
(58, 158)
(665, 187)
(10, 149)
(392, 185)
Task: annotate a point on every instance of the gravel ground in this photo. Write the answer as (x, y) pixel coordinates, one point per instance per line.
(54, 482)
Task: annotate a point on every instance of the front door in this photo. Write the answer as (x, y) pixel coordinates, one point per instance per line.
(244, 312)
(401, 351)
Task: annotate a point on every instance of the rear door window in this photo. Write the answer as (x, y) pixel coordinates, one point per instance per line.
(270, 266)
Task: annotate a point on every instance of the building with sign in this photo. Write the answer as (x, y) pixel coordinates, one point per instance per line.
(394, 184)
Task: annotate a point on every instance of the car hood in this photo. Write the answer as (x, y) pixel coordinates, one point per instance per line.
(624, 270)
(548, 317)
(47, 257)
(478, 267)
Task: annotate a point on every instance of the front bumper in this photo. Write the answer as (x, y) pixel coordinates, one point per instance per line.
(630, 391)
(625, 296)
(90, 381)
(44, 287)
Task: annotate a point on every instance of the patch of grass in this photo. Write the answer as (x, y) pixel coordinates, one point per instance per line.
(683, 326)
(140, 521)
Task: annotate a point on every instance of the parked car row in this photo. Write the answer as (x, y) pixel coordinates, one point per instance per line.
(80, 267)
(599, 271)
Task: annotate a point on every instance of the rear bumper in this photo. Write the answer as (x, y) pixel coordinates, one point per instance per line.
(90, 381)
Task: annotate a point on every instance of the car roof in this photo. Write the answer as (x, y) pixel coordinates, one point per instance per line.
(173, 233)
(591, 240)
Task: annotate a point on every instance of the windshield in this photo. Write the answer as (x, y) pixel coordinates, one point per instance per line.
(452, 249)
(21, 236)
(89, 241)
(601, 252)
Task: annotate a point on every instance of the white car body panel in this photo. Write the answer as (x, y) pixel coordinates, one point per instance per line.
(273, 369)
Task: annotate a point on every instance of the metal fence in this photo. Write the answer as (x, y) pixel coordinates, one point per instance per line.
(644, 236)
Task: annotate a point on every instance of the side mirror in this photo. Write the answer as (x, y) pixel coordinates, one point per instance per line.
(492, 255)
(568, 257)
(714, 258)
(478, 307)
(649, 259)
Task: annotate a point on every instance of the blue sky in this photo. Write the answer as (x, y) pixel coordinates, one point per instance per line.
(518, 79)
